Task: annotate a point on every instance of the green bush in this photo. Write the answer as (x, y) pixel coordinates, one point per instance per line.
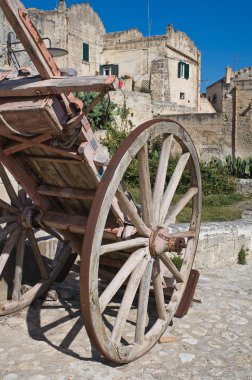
(243, 253)
(238, 167)
(102, 115)
(215, 179)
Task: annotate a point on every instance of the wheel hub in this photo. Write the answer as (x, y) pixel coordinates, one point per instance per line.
(27, 216)
(161, 240)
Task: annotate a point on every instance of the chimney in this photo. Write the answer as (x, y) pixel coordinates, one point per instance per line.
(62, 6)
(169, 29)
(228, 74)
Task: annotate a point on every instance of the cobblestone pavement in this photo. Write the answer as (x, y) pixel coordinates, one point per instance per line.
(214, 341)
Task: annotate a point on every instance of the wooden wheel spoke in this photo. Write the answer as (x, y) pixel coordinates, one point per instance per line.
(8, 219)
(121, 276)
(23, 196)
(7, 207)
(8, 229)
(172, 268)
(131, 210)
(143, 303)
(19, 267)
(161, 176)
(157, 279)
(127, 300)
(53, 233)
(184, 234)
(9, 245)
(171, 216)
(8, 186)
(145, 185)
(127, 244)
(38, 257)
(172, 186)
(60, 260)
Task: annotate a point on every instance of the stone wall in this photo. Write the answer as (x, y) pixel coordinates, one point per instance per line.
(206, 131)
(68, 28)
(220, 242)
(139, 105)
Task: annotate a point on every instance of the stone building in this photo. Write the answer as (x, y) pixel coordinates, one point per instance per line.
(77, 29)
(161, 76)
(228, 130)
(166, 66)
(232, 96)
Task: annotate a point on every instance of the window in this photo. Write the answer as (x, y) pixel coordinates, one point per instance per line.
(182, 95)
(183, 70)
(85, 52)
(214, 100)
(109, 70)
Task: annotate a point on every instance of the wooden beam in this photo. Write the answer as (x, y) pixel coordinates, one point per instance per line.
(36, 87)
(11, 11)
(66, 192)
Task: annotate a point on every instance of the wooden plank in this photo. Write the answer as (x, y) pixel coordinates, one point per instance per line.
(122, 245)
(37, 255)
(158, 290)
(62, 221)
(145, 185)
(161, 176)
(143, 299)
(21, 175)
(28, 143)
(120, 277)
(66, 192)
(131, 210)
(172, 186)
(8, 247)
(9, 208)
(37, 87)
(46, 148)
(127, 300)
(171, 216)
(172, 268)
(19, 267)
(8, 186)
(31, 116)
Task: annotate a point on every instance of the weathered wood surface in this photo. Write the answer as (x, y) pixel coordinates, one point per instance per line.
(132, 278)
(34, 86)
(31, 115)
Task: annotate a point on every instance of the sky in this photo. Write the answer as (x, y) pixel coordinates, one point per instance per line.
(221, 29)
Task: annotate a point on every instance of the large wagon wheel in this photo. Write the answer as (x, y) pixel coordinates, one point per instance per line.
(131, 289)
(24, 267)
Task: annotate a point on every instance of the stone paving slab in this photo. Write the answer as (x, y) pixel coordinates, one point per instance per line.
(214, 341)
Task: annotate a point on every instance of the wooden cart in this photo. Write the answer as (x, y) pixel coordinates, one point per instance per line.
(130, 288)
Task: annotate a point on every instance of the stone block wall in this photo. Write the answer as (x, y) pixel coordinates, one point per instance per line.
(206, 131)
(220, 243)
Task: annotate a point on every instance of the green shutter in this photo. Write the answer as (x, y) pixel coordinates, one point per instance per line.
(85, 52)
(179, 68)
(186, 70)
(115, 70)
(101, 69)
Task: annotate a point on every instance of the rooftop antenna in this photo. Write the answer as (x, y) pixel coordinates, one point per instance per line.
(149, 24)
(235, 62)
